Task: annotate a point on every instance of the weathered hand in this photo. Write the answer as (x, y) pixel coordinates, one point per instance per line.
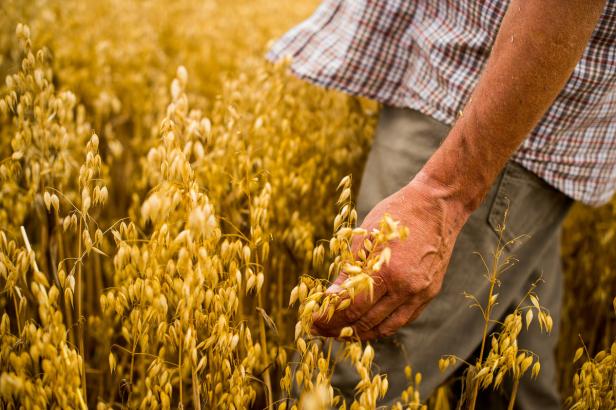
(415, 273)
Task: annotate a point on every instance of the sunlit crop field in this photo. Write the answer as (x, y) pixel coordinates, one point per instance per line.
(172, 207)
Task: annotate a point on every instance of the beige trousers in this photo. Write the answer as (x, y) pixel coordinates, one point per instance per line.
(404, 141)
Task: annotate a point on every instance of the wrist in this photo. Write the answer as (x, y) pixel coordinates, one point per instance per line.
(462, 170)
(452, 201)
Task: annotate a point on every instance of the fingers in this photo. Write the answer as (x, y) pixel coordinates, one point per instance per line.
(335, 287)
(346, 317)
(377, 314)
(403, 315)
(361, 304)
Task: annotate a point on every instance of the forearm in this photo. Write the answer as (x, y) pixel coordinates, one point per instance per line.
(535, 52)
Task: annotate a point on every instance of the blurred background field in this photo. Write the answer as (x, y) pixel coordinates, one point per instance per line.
(238, 138)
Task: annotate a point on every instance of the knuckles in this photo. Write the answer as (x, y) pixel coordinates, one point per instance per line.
(351, 314)
(390, 327)
(363, 324)
(434, 290)
(386, 332)
(413, 286)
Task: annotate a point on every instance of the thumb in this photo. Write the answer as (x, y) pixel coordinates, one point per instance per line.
(336, 287)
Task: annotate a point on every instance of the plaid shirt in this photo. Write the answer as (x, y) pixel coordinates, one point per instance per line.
(428, 55)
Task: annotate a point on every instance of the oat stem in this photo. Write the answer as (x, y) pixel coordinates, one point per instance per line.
(488, 311)
(132, 367)
(181, 345)
(195, 389)
(29, 249)
(79, 312)
(263, 339)
(266, 374)
(67, 309)
(329, 354)
(514, 392)
(17, 315)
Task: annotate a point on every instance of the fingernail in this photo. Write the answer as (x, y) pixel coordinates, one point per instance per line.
(334, 289)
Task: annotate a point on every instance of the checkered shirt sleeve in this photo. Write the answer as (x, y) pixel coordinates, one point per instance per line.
(428, 55)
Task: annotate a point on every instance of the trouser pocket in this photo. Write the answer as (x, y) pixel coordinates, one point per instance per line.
(525, 204)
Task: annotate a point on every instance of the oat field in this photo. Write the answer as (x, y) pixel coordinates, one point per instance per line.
(172, 207)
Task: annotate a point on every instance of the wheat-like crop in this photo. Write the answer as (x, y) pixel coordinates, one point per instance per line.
(503, 358)
(169, 221)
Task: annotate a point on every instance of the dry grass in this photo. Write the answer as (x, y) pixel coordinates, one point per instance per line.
(165, 192)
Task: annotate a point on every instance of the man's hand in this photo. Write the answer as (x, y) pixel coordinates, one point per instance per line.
(537, 47)
(417, 265)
